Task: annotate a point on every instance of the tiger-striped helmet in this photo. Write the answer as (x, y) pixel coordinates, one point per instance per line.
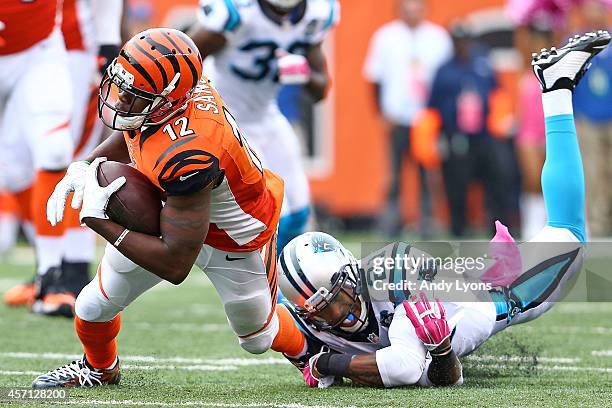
(151, 79)
(315, 268)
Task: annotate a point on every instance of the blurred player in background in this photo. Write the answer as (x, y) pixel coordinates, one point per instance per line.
(402, 60)
(89, 31)
(593, 103)
(531, 138)
(35, 141)
(257, 47)
(385, 343)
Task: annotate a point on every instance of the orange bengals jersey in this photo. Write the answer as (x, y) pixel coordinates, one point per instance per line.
(203, 145)
(25, 23)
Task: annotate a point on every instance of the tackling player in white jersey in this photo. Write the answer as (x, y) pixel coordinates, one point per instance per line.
(413, 341)
(259, 45)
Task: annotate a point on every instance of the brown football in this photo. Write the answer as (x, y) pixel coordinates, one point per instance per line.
(138, 202)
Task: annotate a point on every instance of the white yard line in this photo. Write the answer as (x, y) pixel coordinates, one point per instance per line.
(556, 360)
(185, 367)
(568, 329)
(484, 364)
(156, 360)
(192, 403)
(601, 353)
(605, 370)
(4, 372)
(182, 327)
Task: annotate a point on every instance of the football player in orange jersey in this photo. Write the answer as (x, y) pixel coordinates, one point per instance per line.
(90, 29)
(221, 212)
(35, 142)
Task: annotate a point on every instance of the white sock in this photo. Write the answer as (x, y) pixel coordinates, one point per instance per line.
(113, 365)
(557, 102)
(29, 231)
(49, 252)
(79, 245)
(533, 215)
(9, 225)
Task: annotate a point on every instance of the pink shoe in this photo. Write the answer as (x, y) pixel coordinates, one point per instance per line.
(508, 264)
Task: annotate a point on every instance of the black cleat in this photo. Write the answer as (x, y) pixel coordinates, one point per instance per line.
(52, 298)
(563, 68)
(79, 373)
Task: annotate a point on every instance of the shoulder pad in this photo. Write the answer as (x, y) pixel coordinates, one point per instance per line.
(222, 15)
(323, 15)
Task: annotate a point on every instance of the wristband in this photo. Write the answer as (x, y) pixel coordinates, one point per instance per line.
(334, 364)
(443, 352)
(120, 238)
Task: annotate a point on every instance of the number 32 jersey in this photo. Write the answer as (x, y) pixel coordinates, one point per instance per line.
(245, 70)
(203, 145)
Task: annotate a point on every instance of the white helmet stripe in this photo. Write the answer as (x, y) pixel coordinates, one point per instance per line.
(298, 268)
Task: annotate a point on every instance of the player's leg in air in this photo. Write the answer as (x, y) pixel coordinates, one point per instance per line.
(36, 149)
(554, 256)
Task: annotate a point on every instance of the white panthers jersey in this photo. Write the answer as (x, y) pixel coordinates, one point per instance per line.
(368, 340)
(245, 70)
(376, 335)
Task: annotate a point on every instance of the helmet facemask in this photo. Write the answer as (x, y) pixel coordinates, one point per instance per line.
(343, 304)
(122, 106)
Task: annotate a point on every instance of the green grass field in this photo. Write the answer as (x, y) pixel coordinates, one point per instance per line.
(177, 350)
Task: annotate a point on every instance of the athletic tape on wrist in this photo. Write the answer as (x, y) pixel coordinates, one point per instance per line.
(334, 364)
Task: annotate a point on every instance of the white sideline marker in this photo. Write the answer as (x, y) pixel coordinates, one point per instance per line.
(601, 353)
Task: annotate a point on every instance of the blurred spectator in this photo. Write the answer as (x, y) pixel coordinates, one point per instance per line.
(403, 57)
(525, 12)
(140, 17)
(592, 104)
(460, 93)
(530, 138)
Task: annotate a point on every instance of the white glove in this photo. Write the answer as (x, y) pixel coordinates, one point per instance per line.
(323, 382)
(293, 69)
(95, 198)
(74, 180)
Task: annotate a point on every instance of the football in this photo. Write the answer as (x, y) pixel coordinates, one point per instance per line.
(137, 204)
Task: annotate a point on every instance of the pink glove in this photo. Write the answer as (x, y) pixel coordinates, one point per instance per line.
(310, 380)
(292, 68)
(430, 327)
(313, 381)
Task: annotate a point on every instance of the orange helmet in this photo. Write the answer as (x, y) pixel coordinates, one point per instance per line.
(150, 80)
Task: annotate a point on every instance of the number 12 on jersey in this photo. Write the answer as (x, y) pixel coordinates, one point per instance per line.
(183, 131)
